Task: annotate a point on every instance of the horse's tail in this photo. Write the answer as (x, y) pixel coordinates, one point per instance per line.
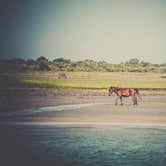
(138, 94)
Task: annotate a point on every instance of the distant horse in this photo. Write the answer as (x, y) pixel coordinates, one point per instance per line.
(62, 75)
(125, 92)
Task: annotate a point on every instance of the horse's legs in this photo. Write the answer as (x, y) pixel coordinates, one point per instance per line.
(135, 102)
(116, 100)
(121, 100)
(134, 99)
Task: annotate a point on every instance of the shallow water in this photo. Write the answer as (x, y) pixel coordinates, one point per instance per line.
(83, 145)
(32, 111)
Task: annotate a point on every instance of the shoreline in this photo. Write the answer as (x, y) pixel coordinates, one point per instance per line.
(86, 124)
(87, 109)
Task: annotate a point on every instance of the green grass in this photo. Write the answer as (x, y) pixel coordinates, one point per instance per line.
(86, 81)
(96, 80)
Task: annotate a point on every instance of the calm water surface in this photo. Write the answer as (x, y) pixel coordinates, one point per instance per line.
(83, 145)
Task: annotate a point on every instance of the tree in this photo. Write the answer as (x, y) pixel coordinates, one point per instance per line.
(43, 63)
(134, 61)
(144, 64)
(30, 62)
(62, 60)
(42, 59)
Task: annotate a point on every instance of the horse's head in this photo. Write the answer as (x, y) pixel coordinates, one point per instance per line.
(110, 91)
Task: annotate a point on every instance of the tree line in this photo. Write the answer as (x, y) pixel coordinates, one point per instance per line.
(61, 64)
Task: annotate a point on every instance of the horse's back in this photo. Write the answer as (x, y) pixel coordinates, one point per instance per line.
(126, 92)
(123, 92)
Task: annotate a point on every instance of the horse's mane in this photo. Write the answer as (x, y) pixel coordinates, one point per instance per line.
(114, 87)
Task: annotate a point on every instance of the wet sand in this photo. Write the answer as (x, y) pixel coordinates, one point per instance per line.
(101, 110)
(71, 130)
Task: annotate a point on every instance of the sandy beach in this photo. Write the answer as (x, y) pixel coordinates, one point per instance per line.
(88, 109)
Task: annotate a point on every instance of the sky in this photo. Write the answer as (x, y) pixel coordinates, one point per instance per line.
(109, 30)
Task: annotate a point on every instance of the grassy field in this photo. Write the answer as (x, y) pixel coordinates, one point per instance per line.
(96, 82)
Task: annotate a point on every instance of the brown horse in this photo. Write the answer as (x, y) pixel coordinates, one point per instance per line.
(125, 92)
(62, 75)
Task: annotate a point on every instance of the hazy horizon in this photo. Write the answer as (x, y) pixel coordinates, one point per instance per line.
(75, 60)
(110, 30)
